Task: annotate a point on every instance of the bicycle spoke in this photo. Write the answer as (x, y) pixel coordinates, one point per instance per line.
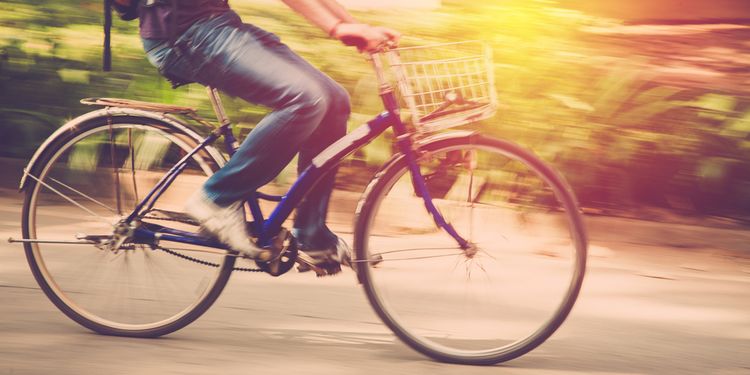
(401, 259)
(100, 218)
(114, 167)
(110, 209)
(132, 164)
(420, 249)
(378, 256)
(470, 197)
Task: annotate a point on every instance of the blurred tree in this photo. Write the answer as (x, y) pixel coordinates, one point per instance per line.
(624, 140)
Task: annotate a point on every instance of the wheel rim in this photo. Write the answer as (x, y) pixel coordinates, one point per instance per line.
(134, 289)
(494, 306)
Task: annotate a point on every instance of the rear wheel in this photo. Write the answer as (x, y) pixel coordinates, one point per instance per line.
(511, 290)
(87, 181)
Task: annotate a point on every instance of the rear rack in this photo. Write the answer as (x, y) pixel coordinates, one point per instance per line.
(136, 104)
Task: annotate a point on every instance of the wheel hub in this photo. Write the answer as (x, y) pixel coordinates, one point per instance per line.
(121, 238)
(471, 250)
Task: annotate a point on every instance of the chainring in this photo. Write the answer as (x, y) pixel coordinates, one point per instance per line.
(286, 243)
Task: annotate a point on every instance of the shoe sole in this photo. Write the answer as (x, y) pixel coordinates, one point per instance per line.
(325, 267)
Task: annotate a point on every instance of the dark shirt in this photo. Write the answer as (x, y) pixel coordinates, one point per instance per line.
(156, 16)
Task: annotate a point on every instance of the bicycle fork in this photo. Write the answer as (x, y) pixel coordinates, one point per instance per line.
(406, 146)
(420, 186)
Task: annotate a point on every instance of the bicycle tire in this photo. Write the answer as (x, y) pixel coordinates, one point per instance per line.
(410, 290)
(51, 164)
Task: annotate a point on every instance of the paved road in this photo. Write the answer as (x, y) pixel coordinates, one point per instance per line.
(643, 310)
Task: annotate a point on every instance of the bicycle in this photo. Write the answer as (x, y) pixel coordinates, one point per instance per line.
(450, 211)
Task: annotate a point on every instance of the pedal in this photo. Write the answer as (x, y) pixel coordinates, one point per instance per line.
(306, 263)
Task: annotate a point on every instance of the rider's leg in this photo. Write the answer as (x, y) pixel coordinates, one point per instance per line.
(314, 236)
(245, 61)
(248, 62)
(310, 222)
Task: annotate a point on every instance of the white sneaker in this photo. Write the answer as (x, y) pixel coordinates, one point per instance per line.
(226, 223)
(330, 259)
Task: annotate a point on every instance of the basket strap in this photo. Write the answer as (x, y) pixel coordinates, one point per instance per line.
(107, 56)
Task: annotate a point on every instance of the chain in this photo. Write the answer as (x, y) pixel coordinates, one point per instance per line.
(204, 262)
(167, 219)
(193, 259)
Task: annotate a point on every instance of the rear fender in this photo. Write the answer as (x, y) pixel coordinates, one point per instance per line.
(73, 124)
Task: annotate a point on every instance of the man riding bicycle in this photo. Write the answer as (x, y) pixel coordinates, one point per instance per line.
(205, 41)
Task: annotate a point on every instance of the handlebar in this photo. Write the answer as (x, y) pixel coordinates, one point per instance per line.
(361, 43)
(354, 41)
(374, 57)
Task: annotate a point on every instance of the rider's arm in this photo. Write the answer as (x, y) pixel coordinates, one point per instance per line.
(332, 18)
(316, 12)
(339, 11)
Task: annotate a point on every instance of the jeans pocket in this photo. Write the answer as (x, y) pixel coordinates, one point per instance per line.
(173, 65)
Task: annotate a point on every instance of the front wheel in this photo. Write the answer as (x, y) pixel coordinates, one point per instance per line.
(511, 291)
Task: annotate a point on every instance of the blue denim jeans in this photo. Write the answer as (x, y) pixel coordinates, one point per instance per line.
(309, 110)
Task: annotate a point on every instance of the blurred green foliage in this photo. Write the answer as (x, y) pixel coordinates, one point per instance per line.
(622, 140)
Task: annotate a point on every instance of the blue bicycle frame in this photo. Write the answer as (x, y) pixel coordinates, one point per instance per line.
(266, 228)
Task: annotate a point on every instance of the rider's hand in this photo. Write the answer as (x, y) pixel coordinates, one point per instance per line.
(373, 38)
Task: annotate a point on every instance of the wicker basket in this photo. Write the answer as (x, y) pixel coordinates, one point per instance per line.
(445, 85)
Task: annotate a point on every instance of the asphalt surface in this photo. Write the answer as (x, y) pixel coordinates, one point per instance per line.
(657, 299)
